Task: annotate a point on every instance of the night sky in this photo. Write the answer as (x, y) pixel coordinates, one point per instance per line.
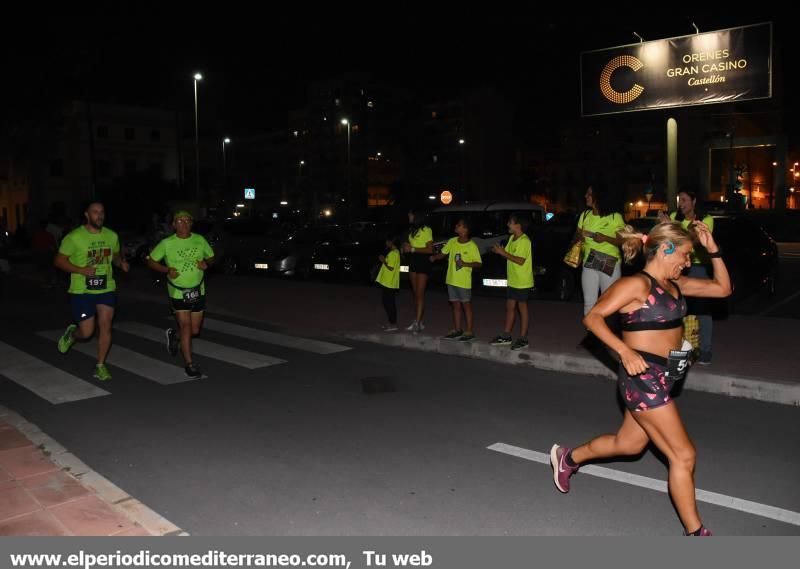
(258, 64)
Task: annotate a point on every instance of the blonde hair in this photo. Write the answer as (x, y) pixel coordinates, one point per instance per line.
(635, 242)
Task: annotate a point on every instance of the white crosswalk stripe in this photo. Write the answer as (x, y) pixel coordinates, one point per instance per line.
(305, 344)
(134, 362)
(58, 386)
(48, 382)
(235, 356)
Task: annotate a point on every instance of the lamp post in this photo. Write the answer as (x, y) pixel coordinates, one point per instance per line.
(346, 122)
(197, 77)
(225, 141)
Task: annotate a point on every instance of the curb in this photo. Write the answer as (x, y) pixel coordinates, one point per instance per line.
(732, 386)
(103, 488)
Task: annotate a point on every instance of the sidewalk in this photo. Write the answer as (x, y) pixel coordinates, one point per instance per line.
(45, 490)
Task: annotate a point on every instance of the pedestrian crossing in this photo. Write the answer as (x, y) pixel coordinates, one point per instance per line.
(314, 346)
(57, 386)
(235, 356)
(46, 381)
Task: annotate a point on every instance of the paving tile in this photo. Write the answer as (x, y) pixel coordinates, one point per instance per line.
(53, 488)
(25, 461)
(90, 516)
(15, 501)
(39, 523)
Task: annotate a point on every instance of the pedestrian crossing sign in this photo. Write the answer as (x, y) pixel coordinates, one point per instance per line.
(249, 193)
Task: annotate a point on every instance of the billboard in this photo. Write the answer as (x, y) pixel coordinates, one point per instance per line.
(715, 67)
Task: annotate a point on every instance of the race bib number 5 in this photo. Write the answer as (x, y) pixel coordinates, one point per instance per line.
(678, 363)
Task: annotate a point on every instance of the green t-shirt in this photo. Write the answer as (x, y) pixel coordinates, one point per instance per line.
(183, 255)
(422, 237)
(469, 254)
(387, 278)
(86, 249)
(699, 255)
(608, 225)
(520, 276)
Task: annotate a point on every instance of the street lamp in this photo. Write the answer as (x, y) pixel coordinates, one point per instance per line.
(346, 122)
(225, 141)
(197, 77)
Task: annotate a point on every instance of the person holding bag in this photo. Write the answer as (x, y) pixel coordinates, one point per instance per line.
(599, 227)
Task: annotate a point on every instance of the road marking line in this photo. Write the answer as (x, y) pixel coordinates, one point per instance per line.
(755, 508)
(48, 382)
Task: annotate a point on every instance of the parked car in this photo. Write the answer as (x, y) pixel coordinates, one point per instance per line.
(239, 243)
(135, 248)
(293, 255)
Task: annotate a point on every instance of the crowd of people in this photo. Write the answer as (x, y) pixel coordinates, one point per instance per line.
(682, 262)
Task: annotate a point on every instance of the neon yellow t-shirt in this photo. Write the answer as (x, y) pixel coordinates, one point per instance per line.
(422, 237)
(390, 278)
(520, 276)
(699, 255)
(607, 225)
(183, 255)
(86, 249)
(469, 254)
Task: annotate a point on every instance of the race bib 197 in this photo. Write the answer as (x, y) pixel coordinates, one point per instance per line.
(96, 282)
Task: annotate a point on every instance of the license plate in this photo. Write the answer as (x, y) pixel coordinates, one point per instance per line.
(403, 268)
(262, 266)
(321, 267)
(495, 282)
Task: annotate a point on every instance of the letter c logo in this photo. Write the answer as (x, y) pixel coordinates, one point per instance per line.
(605, 80)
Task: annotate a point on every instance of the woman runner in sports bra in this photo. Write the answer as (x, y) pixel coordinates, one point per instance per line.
(652, 358)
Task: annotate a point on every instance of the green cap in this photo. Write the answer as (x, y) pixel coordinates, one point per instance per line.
(182, 213)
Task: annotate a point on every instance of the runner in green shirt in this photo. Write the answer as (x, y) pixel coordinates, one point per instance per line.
(88, 253)
(464, 256)
(519, 268)
(187, 257)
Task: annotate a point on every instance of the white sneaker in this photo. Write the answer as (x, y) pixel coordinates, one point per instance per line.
(390, 328)
(412, 327)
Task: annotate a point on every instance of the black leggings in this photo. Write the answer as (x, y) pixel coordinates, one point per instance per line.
(389, 299)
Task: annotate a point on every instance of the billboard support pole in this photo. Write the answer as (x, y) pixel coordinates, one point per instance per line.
(672, 163)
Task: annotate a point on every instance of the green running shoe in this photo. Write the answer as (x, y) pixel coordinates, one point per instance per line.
(101, 372)
(67, 340)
